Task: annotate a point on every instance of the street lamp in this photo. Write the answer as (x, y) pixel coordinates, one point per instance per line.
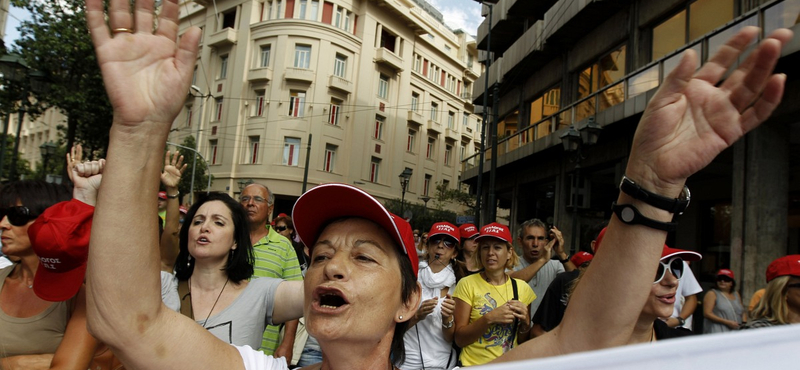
(405, 176)
(425, 199)
(47, 150)
(242, 183)
(574, 141)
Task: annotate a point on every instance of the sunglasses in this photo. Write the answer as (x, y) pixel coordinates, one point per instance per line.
(447, 242)
(280, 228)
(17, 216)
(674, 265)
(794, 285)
(724, 278)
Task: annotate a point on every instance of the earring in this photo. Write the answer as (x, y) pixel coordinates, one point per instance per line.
(189, 261)
(401, 317)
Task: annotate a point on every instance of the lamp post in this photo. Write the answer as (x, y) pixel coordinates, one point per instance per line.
(405, 176)
(197, 140)
(573, 141)
(425, 199)
(47, 150)
(242, 183)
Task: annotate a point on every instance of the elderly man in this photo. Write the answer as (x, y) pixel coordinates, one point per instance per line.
(275, 257)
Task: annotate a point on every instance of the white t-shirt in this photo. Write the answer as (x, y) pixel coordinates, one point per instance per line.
(169, 291)
(687, 286)
(4, 262)
(257, 360)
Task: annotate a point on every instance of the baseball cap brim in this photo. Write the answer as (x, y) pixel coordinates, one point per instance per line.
(690, 256)
(58, 286)
(327, 202)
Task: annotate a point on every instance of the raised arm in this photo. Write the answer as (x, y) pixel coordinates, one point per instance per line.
(144, 70)
(170, 178)
(688, 122)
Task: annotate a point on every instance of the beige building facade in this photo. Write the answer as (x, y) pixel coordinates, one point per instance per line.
(370, 87)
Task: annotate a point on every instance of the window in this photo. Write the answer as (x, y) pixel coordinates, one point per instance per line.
(374, 169)
(465, 121)
(426, 185)
(451, 120)
(434, 111)
(445, 184)
(383, 87)
(414, 102)
(447, 150)
(333, 115)
(607, 70)
(297, 101)
(302, 56)
(388, 40)
(189, 115)
(447, 49)
(229, 19)
(463, 152)
(312, 15)
(252, 149)
(269, 9)
(278, 11)
(337, 19)
(212, 151)
(303, 7)
(330, 158)
(429, 151)
(265, 55)
(546, 105)
(223, 67)
(258, 110)
(703, 16)
(291, 151)
(340, 66)
(412, 137)
(417, 63)
(218, 113)
(347, 21)
(379, 121)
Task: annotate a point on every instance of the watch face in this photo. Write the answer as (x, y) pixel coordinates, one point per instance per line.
(627, 214)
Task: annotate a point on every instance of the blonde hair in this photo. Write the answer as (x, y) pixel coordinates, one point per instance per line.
(773, 305)
(513, 258)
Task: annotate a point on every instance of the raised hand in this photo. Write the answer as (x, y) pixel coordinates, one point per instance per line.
(143, 70)
(693, 117)
(173, 169)
(87, 177)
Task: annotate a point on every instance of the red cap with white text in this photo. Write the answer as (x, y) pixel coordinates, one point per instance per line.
(444, 228)
(497, 231)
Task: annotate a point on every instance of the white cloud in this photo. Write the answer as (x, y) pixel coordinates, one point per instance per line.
(463, 14)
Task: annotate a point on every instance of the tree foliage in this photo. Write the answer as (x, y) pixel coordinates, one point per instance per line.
(201, 175)
(56, 41)
(457, 196)
(422, 218)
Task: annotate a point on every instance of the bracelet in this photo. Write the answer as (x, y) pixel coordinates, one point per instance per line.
(450, 323)
(630, 215)
(672, 205)
(527, 330)
(173, 196)
(565, 260)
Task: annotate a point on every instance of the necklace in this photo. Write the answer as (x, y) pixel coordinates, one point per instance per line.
(215, 302)
(505, 298)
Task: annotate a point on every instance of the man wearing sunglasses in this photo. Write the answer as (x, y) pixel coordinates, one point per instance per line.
(275, 257)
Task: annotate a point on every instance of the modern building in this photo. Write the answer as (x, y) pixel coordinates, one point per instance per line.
(349, 91)
(558, 64)
(33, 133)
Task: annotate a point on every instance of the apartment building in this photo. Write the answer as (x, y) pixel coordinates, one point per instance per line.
(349, 91)
(562, 64)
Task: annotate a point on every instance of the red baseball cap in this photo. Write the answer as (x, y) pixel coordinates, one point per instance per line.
(787, 265)
(183, 209)
(162, 195)
(497, 231)
(444, 228)
(580, 258)
(326, 202)
(468, 231)
(690, 256)
(60, 238)
(725, 272)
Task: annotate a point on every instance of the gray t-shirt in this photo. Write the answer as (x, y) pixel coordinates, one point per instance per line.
(541, 280)
(243, 322)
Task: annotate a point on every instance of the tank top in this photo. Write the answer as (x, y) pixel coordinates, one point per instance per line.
(38, 334)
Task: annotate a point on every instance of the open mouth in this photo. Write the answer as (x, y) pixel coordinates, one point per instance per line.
(330, 299)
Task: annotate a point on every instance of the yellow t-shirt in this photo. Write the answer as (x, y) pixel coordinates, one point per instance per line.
(484, 297)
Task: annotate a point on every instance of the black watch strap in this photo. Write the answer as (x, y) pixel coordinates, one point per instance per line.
(630, 215)
(672, 205)
(565, 260)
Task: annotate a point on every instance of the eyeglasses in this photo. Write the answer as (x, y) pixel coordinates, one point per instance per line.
(247, 198)
(724, 278)
(675, 265)
(17, 216)
(280, 228)
(442, 239)
(794, 285)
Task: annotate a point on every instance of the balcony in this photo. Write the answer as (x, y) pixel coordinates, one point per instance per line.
(415, 117)
(466, 134)
(506, 27)
(434, 126)
(259, 74)
(226, 37)
(389, 59)
(299, 74)
(341, 84)
(451, 134)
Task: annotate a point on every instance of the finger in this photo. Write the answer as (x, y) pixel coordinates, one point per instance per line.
(186, 56)
(96, 22)
(143, 16)
(727, 54)
(180, 161)
(675, 83)
(119, 14)
(102, 165)
(749, 87)
(763, 107)
(184, 168)
(168, 20)
(166, 159)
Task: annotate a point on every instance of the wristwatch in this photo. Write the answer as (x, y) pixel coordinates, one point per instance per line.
(449, 324)
(174, 196)
(630, 215)
(681, 321)
(565, 260)
(672, 205)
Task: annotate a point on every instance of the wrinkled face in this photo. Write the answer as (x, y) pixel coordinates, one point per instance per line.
(533, 241)
(438, 248)
(494, 254)
(284, 230)
(793, 294)
(211, 231)
(353, 285)
(255, 200)
(15, 241)
(661, 301)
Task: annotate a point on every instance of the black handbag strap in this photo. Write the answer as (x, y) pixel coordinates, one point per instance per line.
(516, 321)
(186, 298)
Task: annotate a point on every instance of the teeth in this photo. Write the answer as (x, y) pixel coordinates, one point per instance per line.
(327, 306)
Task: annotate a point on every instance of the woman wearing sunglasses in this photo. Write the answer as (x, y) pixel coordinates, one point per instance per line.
(36, 334)
(722, 306)
(429, 339)
(780, 304)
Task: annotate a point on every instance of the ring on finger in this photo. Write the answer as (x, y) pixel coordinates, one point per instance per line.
(121, 30)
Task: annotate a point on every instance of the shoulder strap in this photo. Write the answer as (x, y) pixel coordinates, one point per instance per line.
(514, 288)
(186, 298)
(516, 321)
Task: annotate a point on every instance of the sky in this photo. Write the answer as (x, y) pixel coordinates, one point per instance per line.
(14, 15)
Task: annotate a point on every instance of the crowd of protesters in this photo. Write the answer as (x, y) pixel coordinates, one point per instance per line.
(341, 282)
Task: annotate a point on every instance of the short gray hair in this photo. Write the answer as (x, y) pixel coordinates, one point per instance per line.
(530, 223)
(270, 195)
